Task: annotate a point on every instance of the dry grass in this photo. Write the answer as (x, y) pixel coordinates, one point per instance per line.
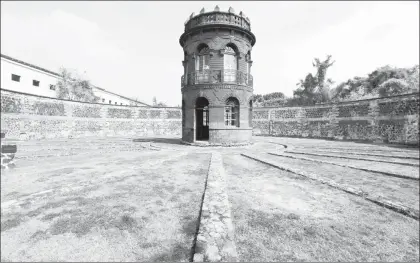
(110, 200)
(405, 157)
(279, 217)
(129, 207)
(401, 190)
(399, 169)
(338, 154)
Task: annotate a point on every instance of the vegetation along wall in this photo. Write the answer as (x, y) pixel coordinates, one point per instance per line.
(392, 119)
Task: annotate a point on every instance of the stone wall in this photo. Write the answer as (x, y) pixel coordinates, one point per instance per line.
(25, 116)
(392, 120)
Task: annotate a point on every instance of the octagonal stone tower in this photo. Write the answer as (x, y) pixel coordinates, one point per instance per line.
(217, 84)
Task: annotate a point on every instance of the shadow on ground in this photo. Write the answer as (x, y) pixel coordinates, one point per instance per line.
(159, 140)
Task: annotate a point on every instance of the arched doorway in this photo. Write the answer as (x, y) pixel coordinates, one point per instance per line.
(202, 119)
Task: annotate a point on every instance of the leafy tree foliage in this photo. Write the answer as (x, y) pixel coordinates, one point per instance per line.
(158, 104)
(270, 99)
(74, 88)
(382, 82)
(313, 89)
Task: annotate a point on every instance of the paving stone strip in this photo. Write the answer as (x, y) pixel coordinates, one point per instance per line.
(376, 149)
(397, 207)
(215, 239)
(349, 166)
(369, 154)
(354, 158)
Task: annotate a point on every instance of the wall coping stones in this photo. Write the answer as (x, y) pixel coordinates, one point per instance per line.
(347, 103)
(215, 239)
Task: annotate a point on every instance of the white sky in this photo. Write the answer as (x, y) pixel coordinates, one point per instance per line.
(132, 48)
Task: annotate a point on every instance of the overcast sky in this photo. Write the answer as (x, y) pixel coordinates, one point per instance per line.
(132, 48)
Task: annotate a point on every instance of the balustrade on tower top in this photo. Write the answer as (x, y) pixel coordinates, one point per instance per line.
(219, 64)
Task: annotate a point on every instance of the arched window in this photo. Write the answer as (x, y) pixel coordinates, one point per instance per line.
(232, 112)
(250, 114)
(202, 65)
(248, 68)
(248, 62)
(202, 61)
(230, 64)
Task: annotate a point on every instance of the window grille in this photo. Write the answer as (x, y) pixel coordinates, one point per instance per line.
(232, 113)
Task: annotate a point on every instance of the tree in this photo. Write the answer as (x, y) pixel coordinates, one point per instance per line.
(273, 95)
(305, 93)
(322, 70)
(74, 88)
(413, 78)
(392, 87)
(161, 104)
(382, 82)
(270, 99)
(314, 89)
(158, 104)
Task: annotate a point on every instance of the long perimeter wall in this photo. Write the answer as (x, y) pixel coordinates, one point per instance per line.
(25, 116)
(393, 119)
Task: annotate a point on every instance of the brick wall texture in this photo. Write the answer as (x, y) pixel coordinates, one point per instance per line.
(393, 119)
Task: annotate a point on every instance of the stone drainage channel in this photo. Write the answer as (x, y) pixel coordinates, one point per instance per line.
(215, 237)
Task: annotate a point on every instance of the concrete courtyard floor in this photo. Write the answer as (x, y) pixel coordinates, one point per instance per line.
(139, 199)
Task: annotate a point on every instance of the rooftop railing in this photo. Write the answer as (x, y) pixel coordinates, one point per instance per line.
(209, 76)
(218, 18)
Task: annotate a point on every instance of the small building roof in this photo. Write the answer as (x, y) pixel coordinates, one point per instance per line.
(58, 75)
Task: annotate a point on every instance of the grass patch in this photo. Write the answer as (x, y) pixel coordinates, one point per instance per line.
(81, 224)
(127, 212)
(10, 223)
(390, 188)
(178, 252)
(284, 219)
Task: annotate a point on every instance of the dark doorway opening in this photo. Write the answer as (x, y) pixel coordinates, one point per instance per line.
(202, 119)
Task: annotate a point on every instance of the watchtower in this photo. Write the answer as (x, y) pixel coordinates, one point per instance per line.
(217, 84)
